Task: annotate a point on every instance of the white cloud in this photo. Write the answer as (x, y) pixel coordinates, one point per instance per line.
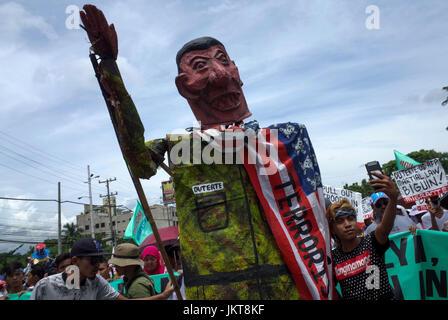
(16, 21)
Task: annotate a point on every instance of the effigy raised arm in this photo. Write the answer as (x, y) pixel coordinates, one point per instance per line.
(141, 159)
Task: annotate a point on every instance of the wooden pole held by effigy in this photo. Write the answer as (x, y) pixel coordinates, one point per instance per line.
(137, 184)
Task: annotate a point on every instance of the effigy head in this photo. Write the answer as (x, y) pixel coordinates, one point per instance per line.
(210, 82)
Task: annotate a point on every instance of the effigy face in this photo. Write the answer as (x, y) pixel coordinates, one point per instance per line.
(210, 82)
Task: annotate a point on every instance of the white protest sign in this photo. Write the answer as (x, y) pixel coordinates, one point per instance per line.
(422, 181)
(335, 194)
(367, 210)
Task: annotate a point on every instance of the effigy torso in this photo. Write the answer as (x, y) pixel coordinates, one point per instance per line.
(228, 250)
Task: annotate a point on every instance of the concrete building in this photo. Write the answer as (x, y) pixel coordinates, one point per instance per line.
(164, 216)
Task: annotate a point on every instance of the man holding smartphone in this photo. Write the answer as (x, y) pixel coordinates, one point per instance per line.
(359, 262)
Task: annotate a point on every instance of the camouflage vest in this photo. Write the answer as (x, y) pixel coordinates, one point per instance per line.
(227, 248)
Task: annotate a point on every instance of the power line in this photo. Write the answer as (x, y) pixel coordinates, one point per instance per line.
(76, 179)
(45, 154)
(21, 199)
(32, 222)
(30, 237)
(29, 242)
(29, 175)
(53, 200)
(49, 156)
(2, 209)
(19, 241)
(41, 153)
(39, 178)
(70, 178)
(40, 171)
(25, 229)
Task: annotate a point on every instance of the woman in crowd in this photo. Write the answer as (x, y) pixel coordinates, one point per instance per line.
(153, 261)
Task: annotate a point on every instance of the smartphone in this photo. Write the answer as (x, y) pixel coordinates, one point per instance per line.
(373, 166)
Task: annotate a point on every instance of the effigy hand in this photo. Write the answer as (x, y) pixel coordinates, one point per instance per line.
(102, 36)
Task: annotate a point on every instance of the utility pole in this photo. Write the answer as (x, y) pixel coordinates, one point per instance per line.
(89, 181)
(59, 219)
(112, 231)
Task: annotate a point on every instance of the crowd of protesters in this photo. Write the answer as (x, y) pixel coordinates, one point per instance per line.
(48, 279)
(92, 274)
(360, 250)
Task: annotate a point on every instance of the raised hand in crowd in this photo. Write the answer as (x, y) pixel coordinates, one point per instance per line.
(435, 211)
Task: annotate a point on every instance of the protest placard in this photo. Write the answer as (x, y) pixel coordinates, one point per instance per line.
(367, 210)
(335, 194)
(422, 181)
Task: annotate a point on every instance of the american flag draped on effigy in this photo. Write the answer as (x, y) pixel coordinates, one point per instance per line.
(283, 169)
(293, 201)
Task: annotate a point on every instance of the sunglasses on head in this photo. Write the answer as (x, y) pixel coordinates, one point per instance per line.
(380, 202)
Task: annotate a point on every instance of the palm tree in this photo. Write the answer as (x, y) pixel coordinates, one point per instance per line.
(70, 232)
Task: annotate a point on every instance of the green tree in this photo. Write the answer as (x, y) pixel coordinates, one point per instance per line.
(11, 256)
(70, 233)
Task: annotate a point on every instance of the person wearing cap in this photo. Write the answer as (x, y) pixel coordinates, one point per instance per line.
(402, 222)
(378, 201)
(85, 255)
(359, 262)
(128, 264)
(416, 216)
(42, 256)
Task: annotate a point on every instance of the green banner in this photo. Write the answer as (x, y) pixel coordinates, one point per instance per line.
(138, 228)
(403, 161)
(417, 265)
(23, 296)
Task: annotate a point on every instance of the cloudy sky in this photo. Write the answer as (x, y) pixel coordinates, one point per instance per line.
(361, 92)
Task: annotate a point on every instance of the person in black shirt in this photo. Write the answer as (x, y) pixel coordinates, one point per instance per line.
(359, 262)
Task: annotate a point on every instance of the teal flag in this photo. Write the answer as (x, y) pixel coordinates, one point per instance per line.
(417, 265)
(23, 296)
(118, 285)
(403, 161)
(138, 228)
